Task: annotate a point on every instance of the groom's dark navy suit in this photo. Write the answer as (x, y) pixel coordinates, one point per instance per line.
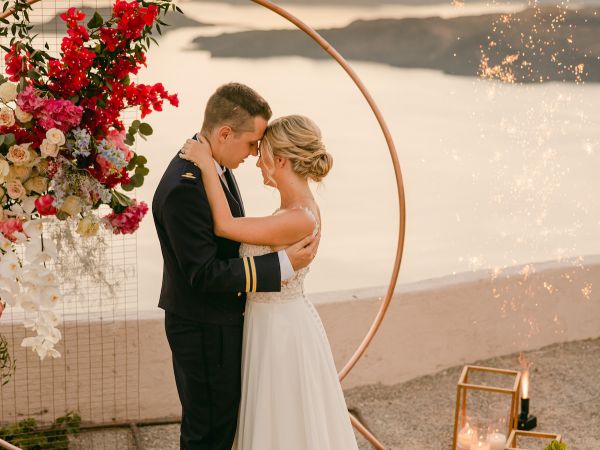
(203, 294)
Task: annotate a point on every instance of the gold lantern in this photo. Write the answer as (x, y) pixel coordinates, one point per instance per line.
(534, 441)
(487, 408)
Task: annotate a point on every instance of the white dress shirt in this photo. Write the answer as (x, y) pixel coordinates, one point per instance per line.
(287, 271)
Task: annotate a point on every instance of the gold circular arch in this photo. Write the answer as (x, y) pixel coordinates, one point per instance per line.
(359, 352)
(401, 199)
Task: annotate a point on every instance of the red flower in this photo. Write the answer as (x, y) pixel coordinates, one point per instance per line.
(129, 220)
(72, 15)
(44, 206)
(10, 226)
(15, 64)
(149, 97)
(109, 180)
(111, 38)
(132, 18)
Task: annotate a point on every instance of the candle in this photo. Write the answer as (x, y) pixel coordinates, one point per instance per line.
(463, 441)
(480, 445)
(497, 441)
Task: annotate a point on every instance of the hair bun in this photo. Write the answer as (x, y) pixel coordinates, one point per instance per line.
(320, 165)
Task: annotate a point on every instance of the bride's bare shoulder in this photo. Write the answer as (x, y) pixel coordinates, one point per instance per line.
(303, 217)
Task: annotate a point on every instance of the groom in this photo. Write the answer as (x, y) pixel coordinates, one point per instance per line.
(204, 280)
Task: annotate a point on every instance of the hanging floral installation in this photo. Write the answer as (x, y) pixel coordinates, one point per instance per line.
(64, 149)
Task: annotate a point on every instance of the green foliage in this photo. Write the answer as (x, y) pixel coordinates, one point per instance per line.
(138, 162)
(28, 435)
(555, 445)
(120, 201)
(96, 21)
(6, 141)
(7, 365)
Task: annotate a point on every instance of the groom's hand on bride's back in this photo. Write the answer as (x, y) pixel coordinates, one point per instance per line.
(303, 252)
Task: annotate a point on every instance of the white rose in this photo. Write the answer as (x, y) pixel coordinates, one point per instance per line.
(15, 189)
(49, 149)
(4, 169)
(22, 116)
(19, 172)
(2, 192)
(19, 154)
(37, 184)
(1, 210)
(7, 116)
(8, 92)
(71, 205)
(55, 136)
(88, 227)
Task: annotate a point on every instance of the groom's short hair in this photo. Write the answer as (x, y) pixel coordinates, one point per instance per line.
(234, 104)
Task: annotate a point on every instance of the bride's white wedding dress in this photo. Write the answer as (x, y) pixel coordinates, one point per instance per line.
(291, 397)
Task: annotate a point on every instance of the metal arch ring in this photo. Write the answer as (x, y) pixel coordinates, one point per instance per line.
(400, 189)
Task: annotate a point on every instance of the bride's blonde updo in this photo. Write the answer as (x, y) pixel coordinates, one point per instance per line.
(298, 139)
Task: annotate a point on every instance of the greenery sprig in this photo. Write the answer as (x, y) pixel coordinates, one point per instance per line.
(28, 435)
(7, 364)
(555, 445)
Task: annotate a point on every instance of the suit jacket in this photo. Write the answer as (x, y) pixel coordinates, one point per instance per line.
(204, 279)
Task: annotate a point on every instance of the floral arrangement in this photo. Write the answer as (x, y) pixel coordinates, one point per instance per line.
(64, 149)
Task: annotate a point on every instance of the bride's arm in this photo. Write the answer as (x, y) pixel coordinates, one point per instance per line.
(282, 229)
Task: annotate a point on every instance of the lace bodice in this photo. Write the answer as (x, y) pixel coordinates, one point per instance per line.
(291, 289)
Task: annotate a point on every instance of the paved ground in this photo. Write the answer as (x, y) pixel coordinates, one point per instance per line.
(418, 414)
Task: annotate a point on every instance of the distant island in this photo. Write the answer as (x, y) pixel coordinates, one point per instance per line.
(563, 48)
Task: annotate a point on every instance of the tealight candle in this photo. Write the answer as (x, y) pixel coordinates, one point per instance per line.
(480, 446)
(463, 441)
(497, 441)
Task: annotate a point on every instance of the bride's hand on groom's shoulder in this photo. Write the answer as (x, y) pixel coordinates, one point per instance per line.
(302, 253)
(197, 152)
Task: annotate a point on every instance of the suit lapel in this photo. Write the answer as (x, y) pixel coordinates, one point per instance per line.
(236, 209)
(234, 188)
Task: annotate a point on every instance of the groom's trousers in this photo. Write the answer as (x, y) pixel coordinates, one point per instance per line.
(207, 365)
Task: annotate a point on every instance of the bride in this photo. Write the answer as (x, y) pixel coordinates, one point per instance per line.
(291, 398)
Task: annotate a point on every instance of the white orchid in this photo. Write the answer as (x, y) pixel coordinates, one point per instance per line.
(49, 296)
(28, 283)
(41, 346)
(29, 205)
(29, 304)
(5, 244)
(16, 210)
(50, 317)
(10, 266)
(8, 295)
(41, 277)
(20, 238)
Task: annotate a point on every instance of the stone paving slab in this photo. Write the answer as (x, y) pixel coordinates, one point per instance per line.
(419, 414)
